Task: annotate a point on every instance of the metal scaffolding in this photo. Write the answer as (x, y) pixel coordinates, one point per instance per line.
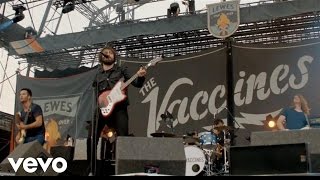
(261, 23)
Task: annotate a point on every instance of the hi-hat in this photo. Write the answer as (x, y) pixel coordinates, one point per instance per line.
(191, 140)
(162, 134)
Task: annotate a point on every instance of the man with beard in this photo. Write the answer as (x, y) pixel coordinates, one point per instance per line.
(108, 74)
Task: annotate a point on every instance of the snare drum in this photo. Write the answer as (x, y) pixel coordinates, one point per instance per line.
(195, 160)
(207, 138)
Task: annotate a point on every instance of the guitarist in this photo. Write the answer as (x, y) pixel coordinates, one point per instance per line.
(108, 74)
(29, 120)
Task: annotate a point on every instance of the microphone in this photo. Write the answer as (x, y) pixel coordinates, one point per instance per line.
(163, 116)
(106, 56)
(168, 118)
(215, 113)
(169, 115)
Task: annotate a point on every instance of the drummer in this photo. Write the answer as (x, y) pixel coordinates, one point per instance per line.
(217, 130)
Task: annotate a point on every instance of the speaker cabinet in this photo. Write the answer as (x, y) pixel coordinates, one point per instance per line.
(159, 155)
(269, 159)
(66, 152)
(315, 163)
(32, 149)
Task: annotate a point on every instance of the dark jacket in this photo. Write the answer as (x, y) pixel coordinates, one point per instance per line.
(106, 80)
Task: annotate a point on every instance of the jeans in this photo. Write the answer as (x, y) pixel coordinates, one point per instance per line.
(39, 138)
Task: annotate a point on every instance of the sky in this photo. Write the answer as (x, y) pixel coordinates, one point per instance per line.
(9, 65)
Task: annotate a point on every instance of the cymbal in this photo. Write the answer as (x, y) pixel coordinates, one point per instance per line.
(221, 128)
(162, 134)
(191, 140)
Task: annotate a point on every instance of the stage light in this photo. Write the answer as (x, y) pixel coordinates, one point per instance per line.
(174, 9)
(19, 16)
(5, 25)
(68, 5)
(110, 134)
(271, 123)
(190, 4)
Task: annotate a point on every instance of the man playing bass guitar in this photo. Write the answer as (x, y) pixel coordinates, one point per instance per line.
(107, 78)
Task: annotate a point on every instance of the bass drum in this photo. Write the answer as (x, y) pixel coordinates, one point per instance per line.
(195, 160)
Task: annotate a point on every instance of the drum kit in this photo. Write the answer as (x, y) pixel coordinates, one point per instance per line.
(205, 154)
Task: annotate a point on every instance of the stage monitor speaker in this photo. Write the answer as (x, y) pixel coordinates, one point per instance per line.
(32, 149)
(157, 155)
(269, 159)
(66, 152)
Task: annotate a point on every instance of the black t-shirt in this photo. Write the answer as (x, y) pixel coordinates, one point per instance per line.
(220, 138)
(34, 112)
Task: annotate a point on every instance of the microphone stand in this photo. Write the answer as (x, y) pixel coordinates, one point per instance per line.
(94, 127)
(234, 119)
(308, 122)
(171, 125)
(231, 140)
(225, 152)
(170, 120)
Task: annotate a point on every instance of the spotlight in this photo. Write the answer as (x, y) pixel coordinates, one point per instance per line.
(19, 16)
(110, 134)
(30, 32)
(174, 9)
(271, 123)
(190, 4)
(68, 5)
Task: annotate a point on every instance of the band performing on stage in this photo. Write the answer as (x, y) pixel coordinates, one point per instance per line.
(192, 90)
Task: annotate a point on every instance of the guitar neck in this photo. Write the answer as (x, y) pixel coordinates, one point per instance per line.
(127, 83)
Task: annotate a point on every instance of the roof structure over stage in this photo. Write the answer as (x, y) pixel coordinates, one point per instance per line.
(262, 22)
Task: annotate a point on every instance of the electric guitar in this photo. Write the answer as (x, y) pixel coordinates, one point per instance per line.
(22, 136)
(108, 99)
(22, 133)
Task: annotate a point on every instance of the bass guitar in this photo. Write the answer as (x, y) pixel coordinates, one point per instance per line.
(108, 99)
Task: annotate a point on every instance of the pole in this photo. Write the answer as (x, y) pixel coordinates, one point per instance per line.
(230, 88)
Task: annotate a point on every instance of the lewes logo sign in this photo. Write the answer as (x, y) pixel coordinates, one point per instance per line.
(223, 18)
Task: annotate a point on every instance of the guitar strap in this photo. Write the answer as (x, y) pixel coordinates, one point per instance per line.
(108, 77)
(27, 115)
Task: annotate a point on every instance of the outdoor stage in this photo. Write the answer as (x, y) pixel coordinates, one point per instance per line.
(278, 153)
